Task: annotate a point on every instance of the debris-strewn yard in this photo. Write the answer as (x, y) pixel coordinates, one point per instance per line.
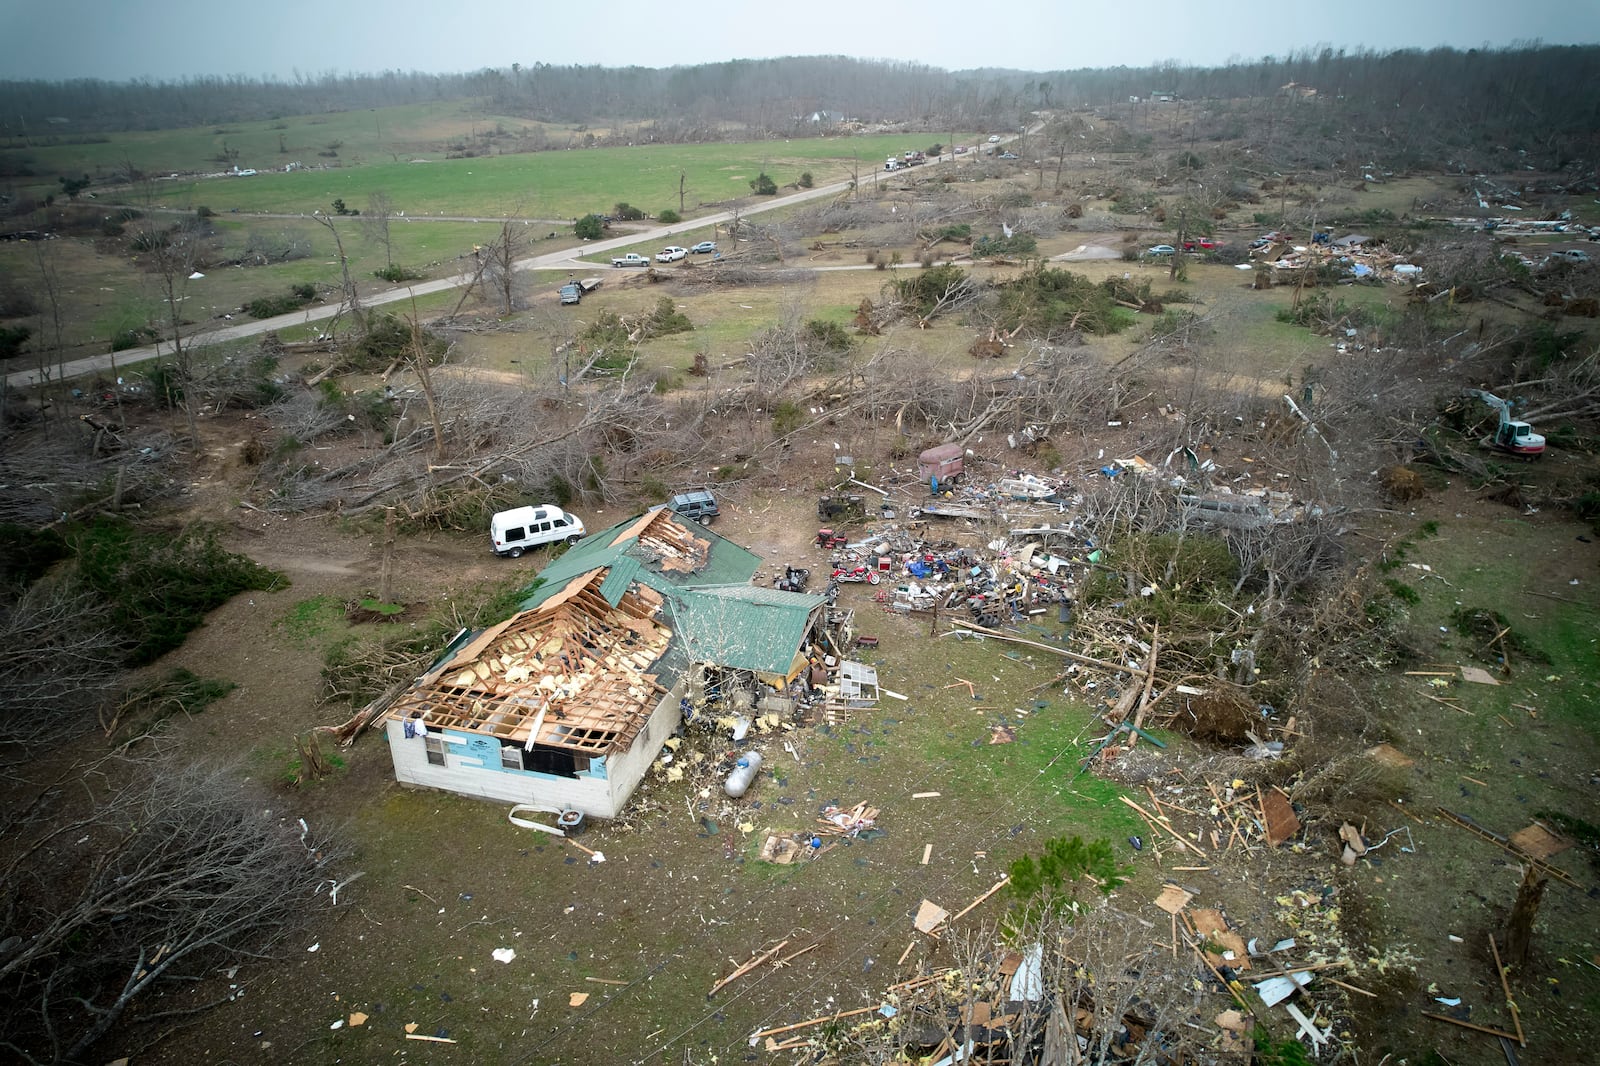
(1195, 680)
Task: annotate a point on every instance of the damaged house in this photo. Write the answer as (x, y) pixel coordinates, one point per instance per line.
(566, 704)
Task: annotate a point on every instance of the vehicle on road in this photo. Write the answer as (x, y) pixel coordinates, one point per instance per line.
(703, 248)
(891, 163)
(697, 504)
(632, 259)
(1008, 155)
(994, 138)
(671, 254)
(524, 528)
(1160, 250)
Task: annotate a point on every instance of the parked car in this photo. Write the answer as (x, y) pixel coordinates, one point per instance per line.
(524, 528)
(994, 138)
(632, 259)
(1571, 255)
(697, 504)
(1160, 249)
(571, 293)
(704, 248)
(1204, 244)
(1008, 155)
(671, 254)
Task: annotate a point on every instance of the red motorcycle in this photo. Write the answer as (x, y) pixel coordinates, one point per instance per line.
(858, 573)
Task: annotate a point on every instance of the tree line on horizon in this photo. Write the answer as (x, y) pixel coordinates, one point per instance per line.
(1436, 104)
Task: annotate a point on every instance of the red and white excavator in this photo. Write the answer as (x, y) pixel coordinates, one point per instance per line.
(1513, 436)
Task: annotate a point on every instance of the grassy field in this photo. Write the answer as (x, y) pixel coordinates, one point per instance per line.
(548, 185)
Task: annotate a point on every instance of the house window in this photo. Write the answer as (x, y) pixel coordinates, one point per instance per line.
(510, 757)
(435, 747)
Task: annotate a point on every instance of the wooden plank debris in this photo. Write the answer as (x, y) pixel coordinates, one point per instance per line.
(998, 885)
(1278, 814)
(1477, 676)
(929, 917)
(1505, 986)
(1537, 841)
(1389, 755)
(1490, 835)
(1173, 898)
(1468, 1025)
(747, 967)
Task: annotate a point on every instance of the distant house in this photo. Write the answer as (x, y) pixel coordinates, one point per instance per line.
(566, 704)
(826, 118)
(1163, 96)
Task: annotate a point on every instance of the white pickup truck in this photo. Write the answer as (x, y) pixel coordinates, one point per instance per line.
(632, 259)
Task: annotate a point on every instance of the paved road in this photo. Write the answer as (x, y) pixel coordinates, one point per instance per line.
(566, 259)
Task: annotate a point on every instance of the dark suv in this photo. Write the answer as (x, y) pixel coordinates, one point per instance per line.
(696, 504)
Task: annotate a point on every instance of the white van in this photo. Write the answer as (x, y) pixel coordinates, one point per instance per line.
(524, 528)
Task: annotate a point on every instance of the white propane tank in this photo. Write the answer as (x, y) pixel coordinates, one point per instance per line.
(738, 782)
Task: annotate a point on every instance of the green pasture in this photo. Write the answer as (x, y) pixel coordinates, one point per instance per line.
(355, 137)
(559, 185)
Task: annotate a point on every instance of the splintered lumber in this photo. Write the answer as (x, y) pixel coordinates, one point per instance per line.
(906, 954)
(998, 885)
(1121, 668)
(1505, 986)
(429, 1039)
(1143, 703)
(747, 967)
(1468, 1025)
(1157, 823)
(824, 1020)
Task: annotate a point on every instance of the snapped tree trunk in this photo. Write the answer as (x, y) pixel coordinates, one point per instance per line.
(1519, 927)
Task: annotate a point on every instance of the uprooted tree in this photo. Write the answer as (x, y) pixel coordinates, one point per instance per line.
(167, 873)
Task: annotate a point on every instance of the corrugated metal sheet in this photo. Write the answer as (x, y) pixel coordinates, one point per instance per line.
(624, 571)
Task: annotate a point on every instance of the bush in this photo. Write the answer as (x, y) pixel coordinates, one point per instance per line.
(588, 228)
(829, 336)
(666, 319)
(670, 217)
(132, 337)
(387, 339)
(396, 273)
(627, 212)
(271, 306)
(806, 180)
(763, 185)
(204, 212)
(1017, 244)
(787, 417)
(12, 338)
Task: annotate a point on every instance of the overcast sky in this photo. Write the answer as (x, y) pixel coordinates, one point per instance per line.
(173, 39)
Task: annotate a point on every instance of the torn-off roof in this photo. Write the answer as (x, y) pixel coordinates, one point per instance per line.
(576, 672)
(669, 552)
